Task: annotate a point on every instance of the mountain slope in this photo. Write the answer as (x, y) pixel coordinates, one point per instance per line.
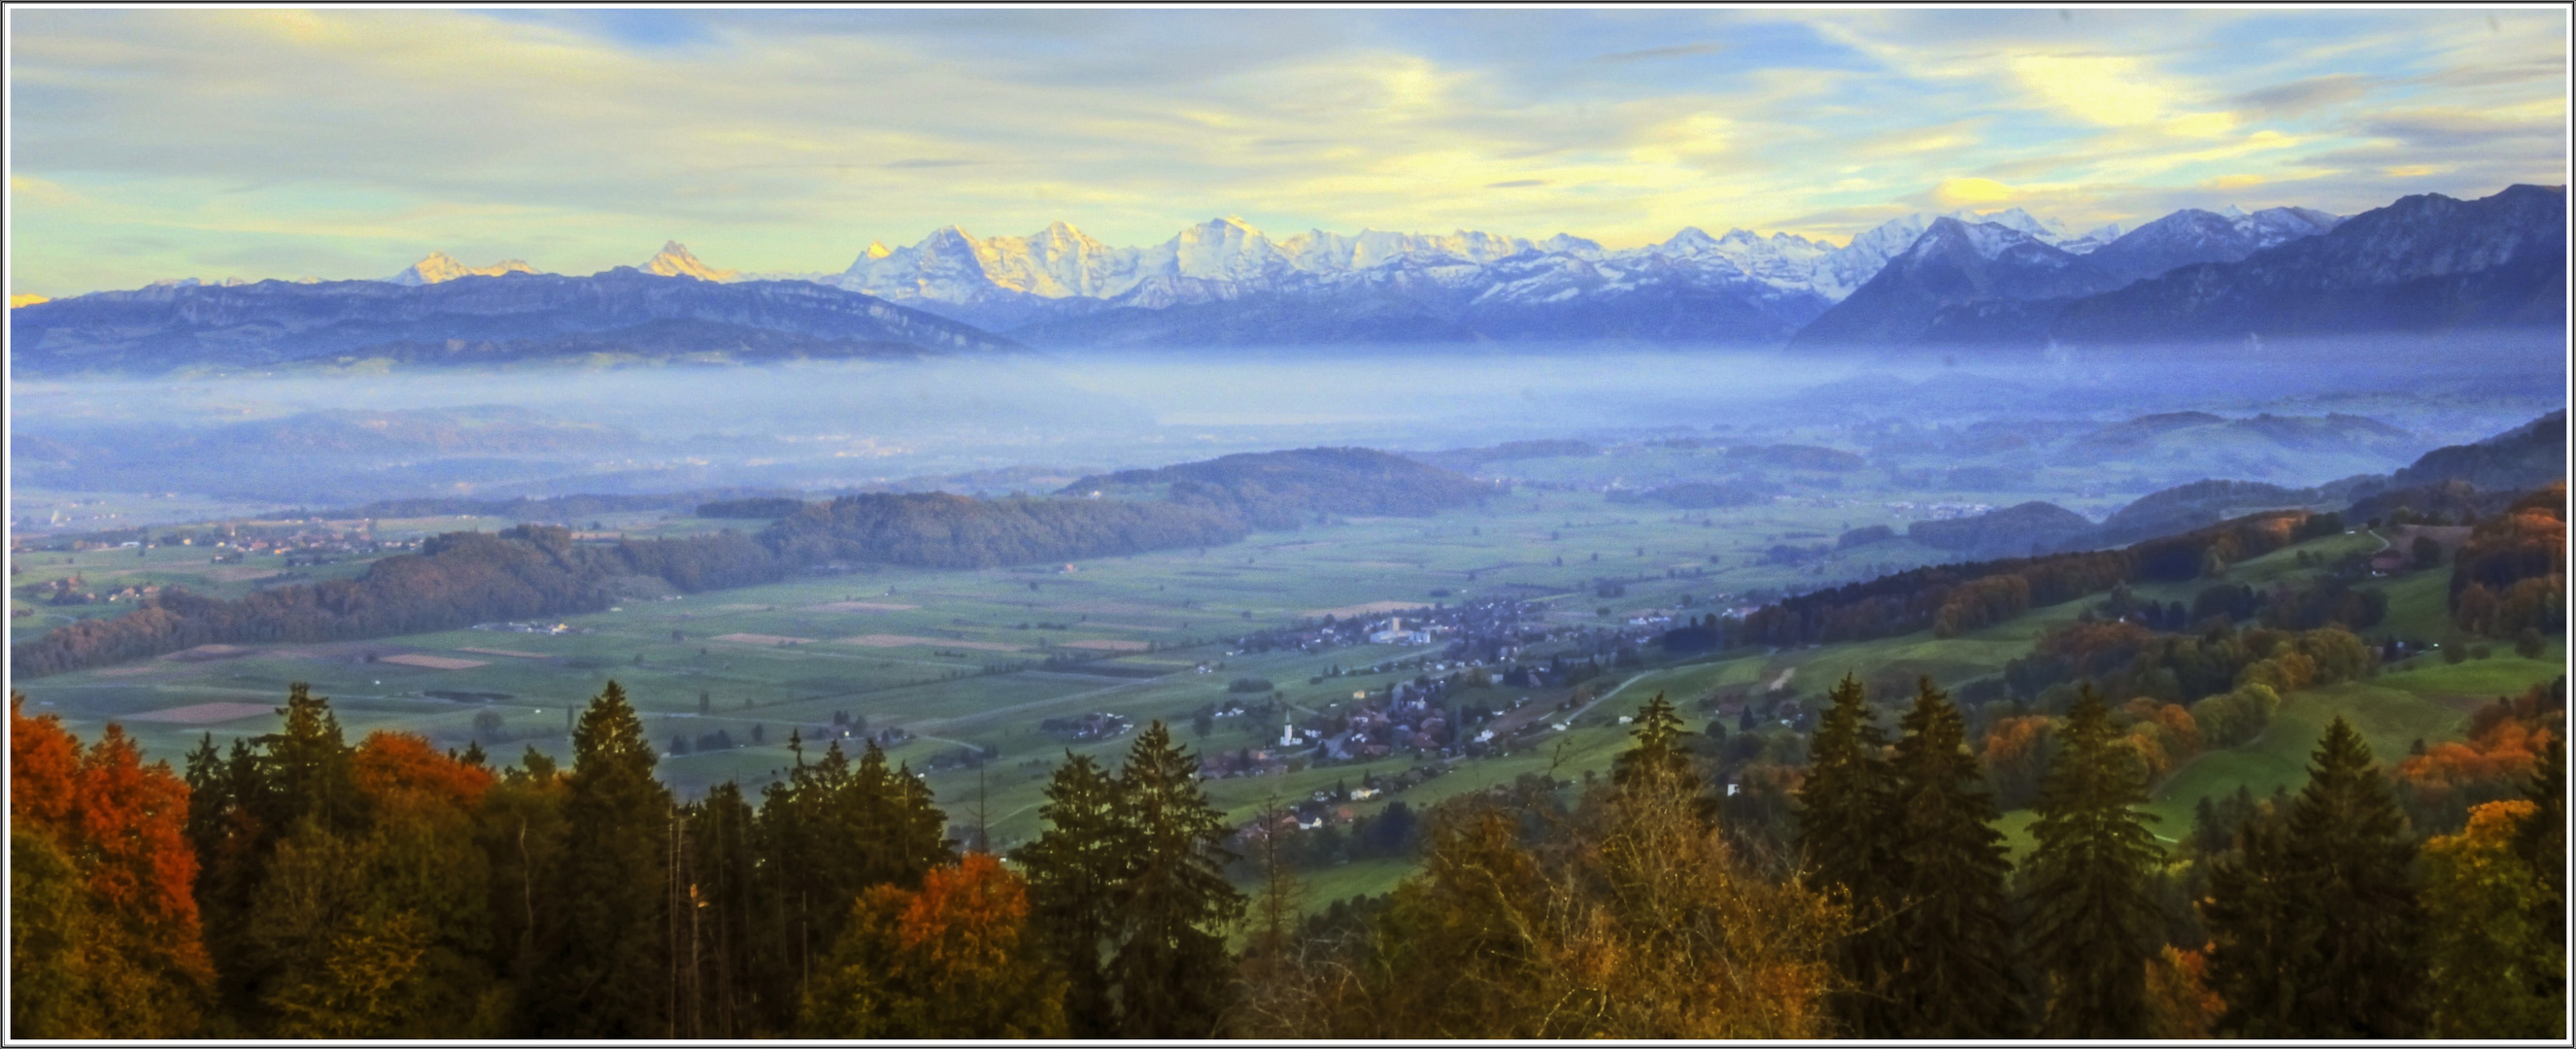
(2524, 457)
(1953, 264)
(2192, 236)
(2426, 263)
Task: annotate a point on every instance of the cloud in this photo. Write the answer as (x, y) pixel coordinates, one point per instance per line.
(164, 142)
(2104, 89)
(2300, 96)
(1969, 192)
(1677, 51)
(2448, 129)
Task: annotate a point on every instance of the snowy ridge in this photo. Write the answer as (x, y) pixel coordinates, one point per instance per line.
(674, 260)
(1060, 274)
(440, 267)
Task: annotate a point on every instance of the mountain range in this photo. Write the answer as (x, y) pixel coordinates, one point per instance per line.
(511, 318)
(2002, 279)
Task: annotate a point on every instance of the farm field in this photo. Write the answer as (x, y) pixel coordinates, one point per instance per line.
(974, 662)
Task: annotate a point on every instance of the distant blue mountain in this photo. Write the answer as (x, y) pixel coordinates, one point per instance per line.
(514, 318)
(2424, 264)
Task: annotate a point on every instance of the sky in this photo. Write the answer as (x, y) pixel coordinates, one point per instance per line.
(150, 144)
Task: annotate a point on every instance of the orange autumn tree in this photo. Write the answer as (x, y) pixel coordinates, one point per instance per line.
(953, 960)
(104, 937)
(2505, 742)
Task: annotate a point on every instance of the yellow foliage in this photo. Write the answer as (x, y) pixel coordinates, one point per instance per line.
(2489, 956)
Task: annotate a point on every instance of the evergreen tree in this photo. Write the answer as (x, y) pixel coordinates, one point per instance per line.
(1169, 972)
(606, 975)
(306, 768)
(1658, 755)
(521, 830)
(915, 829)
(2263, 926)
(2349, 839)
(1847, 834)
(1078, 870)
(294, 781)
(1952, 924)
(2094, 916)
(720, 934)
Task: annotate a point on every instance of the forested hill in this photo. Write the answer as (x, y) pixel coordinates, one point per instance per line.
(938, 530)
(1285, 489)
(457, 580)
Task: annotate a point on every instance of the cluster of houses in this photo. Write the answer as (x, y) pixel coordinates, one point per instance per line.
(72, 590)
(1086, 727)
(1247, 761)
(533, 627)
(1486, 630)
(299, 547)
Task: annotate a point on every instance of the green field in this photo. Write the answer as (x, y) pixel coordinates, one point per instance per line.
(952, 657)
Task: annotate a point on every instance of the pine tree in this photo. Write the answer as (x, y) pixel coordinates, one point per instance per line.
(1847, 833)
(2349, 840)
(1169, 973)
(2094, 917)
(1078, 870)
(1952, 924)
(606, 972)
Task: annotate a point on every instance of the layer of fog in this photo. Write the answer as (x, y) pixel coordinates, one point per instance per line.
(820, 427)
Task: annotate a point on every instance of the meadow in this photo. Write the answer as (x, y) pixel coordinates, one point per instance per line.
(959, 661)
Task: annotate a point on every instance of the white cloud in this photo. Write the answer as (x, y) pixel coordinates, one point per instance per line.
(150, 141)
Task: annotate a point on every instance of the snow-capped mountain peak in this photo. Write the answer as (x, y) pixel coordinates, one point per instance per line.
(1061, 272)
(1568, 244)
(674, 260)
(1989, 240)
(2048, 231)
(1690, 241)
(440, 267)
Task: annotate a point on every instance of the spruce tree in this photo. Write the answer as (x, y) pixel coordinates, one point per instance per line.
(1170, 972)
(2263, 923)
(1658, 755)
(2094, 918)
(1078, 871)
(1847, 834)
(2349, 840)
(305, 768)
(606, 974)
(1952, 924)
(721, 866)
(915, 830)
